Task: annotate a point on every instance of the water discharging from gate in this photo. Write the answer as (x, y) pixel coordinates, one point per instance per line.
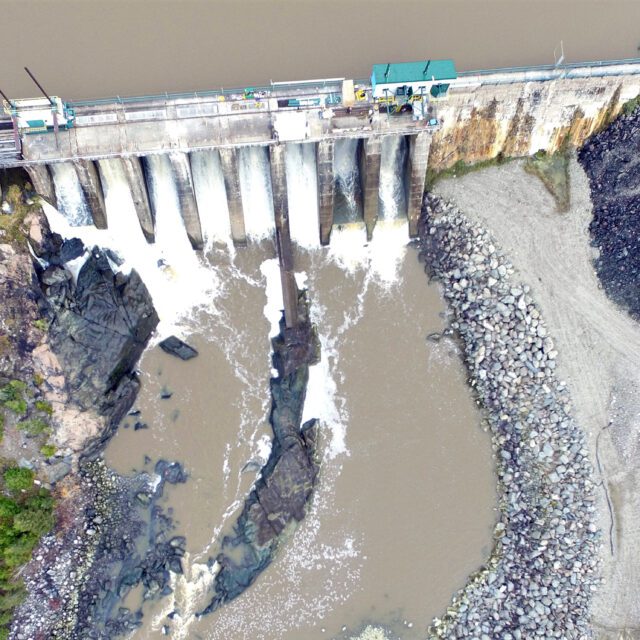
(403, 510)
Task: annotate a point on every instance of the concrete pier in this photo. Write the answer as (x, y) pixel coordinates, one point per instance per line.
(230, 172)
(370, 175)
(132, 168)
(419, 147)
(92, 189)
(181, 169)
(324, 167)
(42, 182)
(283, 234)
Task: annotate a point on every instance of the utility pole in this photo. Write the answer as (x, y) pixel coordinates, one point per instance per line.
(54, 110)
(44, 93)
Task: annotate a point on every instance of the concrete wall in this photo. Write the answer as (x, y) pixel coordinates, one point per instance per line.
(181, 169)
(42, 182)
(132, 168)
(370, 175)
(521, 118)
(92, 189)
(230, 171)
(324, 164)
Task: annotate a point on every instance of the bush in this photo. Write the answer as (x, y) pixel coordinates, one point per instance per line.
(18, 479)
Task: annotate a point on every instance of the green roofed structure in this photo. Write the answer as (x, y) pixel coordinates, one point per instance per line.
(427, 76)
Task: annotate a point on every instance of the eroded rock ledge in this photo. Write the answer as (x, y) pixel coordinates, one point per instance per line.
(279, 499)
(543, 569)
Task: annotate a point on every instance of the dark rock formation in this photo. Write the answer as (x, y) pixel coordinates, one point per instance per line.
(178, 348)
(612, 162)
(277, 502)
(99, 327)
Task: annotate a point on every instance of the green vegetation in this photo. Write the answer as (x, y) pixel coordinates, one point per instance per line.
(33, 427)
(631, 105)
(461, 168)
(553, 171)
(26, 514)
(44, 407)
(12, 397)
(41, 324)
(48, 450)
(12, 224)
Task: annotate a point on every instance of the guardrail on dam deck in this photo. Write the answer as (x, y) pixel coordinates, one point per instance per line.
(510, 111)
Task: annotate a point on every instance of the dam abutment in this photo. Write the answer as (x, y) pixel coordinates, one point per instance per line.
(324, 164)
(419, 147)
(370, 153)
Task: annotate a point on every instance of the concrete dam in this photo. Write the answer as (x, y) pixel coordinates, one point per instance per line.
(415, 117)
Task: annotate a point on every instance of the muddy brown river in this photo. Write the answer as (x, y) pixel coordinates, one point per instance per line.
(405, 504)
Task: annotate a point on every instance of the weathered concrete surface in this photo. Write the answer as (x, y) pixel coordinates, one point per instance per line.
(324, 163)
(230, 171)
(283, 234)
(278, 501)
(181, 169)
(42, 183)
(521, 118)
(370, 173)
(132, 168)
(598, 348)
(419, 147)
(92, 189)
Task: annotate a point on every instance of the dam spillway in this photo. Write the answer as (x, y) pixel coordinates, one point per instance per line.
(216, 135)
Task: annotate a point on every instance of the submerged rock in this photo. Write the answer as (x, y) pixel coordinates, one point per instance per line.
(178, 348)
(279, 498)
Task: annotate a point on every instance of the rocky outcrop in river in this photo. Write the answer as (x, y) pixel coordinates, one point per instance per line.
(539, 579)
(279, 499)
(612, 162)
(99, 325)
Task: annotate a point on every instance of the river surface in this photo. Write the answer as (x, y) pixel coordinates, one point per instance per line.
(91, 48)
(404, 507)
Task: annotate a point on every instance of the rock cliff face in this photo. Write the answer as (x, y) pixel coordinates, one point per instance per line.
(279, 498)
(99, 327)
(612, 162)
(521, 118)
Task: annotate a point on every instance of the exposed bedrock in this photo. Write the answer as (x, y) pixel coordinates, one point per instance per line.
(611, 159)
(279, 498)
(540, 577)
(99, 327)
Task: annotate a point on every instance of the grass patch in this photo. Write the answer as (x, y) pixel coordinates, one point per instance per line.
(48, 450)
(26, 514)
(553, 171)
(12, 223)
(461, 168)
(41, 324)
(12, 397)
(33, 427)
(44, 407)
(631, 105)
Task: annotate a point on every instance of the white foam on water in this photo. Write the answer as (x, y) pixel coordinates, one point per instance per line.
(348, 247)
(387, 249)
(69, 194)
(177, 279)
(302, 188)
(345, 169)
(273, 290)
(391, 190)
(255, 186)
(208, 184)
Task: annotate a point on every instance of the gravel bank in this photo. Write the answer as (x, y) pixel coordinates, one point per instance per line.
(598, 348)
(542, 572)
